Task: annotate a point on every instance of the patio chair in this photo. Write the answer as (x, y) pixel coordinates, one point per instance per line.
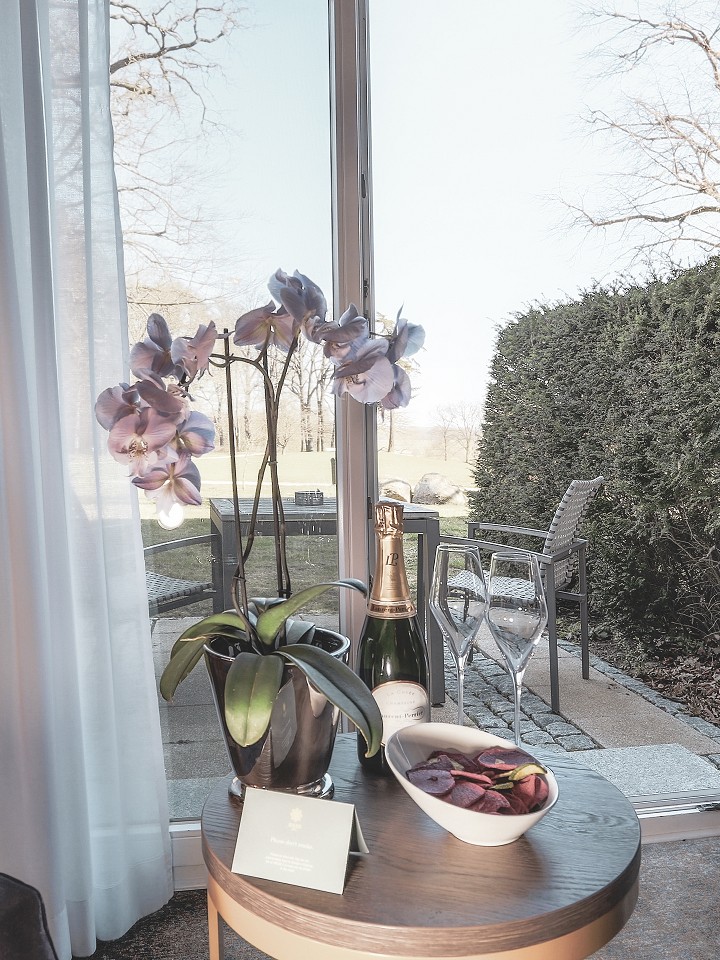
(561, 557)
(169, 593)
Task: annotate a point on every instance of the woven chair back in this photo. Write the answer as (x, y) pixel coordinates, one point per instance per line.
(566, 524)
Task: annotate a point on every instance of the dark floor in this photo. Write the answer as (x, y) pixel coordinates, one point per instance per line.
(676, 917)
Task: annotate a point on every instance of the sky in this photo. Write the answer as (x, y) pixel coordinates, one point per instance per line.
(477, 138)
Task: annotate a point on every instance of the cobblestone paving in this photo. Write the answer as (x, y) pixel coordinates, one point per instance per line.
(489, 704)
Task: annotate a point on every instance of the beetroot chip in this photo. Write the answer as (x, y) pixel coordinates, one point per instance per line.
(517, 803)
(466, 794)
(482, 778)
(492, 802)
(532, 791)
(484, 782)
(454, 759)
(463, 761)
(435, 782)
(542, 791)
(436, 761)
(526, 789)
(502, 758)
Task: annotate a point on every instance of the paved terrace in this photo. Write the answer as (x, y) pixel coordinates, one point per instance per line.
(637, 738)
(641, 741)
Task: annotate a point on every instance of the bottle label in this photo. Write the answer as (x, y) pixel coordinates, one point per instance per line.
(391, 609)
(401, 704)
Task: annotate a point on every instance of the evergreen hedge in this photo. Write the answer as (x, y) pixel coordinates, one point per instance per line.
(623, 382)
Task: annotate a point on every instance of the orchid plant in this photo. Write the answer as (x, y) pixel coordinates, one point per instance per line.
(153, 430)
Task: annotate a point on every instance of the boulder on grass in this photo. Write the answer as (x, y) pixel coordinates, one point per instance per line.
(435, 488)
(396, 490)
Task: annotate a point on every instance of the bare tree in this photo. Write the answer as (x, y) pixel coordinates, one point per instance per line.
(459, 426)
(388, 417)
(466, 419)
(159, 67)
(182, 307)
(310, 377)
(445, 422)
(668, 191)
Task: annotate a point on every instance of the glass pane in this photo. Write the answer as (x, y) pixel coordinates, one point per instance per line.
(479, 149)
(224, 177)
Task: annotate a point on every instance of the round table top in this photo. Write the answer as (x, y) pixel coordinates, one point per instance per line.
(423, 893)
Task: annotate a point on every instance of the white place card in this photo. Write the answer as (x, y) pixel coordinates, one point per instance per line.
(300, 840)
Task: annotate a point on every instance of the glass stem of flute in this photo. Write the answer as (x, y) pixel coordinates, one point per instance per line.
(517, 681)
(460, 691)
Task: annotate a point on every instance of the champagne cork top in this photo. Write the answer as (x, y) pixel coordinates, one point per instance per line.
(388, 518)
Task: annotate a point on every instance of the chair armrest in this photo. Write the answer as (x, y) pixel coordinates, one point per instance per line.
(502, 528)
(492, 547)
(177, 544)
(554, 557)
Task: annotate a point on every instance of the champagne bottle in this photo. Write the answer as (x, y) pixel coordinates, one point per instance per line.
(392, 658)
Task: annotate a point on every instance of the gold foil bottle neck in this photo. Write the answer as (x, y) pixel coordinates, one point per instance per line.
(390, 594)
(388, 518)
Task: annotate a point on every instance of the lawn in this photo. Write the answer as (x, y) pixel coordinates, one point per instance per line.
(311, 558)
(311, 471)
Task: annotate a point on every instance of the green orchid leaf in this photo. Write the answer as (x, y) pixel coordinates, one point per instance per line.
(180, 665)
(342, 687)
(251, 686)
(259, 604)
(216, 625)
(227, 624)
(271, 620)
(299, 631)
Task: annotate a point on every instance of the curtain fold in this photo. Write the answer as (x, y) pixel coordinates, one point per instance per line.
(83, 806)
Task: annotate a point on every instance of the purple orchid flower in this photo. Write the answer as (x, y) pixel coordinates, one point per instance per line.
(142, 440)
(367, 374)
(172, 483)
(124, 400)
(150, 422)
(264, 324)
(401, 391)
(170, 402)
(197, 434)
(114, 403)
(343, 337)
(405, 340)
(153, 355)
(193, 354)
(300, 297)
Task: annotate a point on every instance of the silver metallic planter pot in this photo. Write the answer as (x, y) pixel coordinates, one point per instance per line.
(294, 754)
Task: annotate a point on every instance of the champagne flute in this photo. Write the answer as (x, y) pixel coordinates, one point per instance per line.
(516, 613)
(457, 600)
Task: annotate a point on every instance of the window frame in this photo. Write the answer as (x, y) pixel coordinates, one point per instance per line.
(684, 816)
(352, 279)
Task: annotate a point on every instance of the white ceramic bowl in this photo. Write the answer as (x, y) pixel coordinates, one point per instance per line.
(415, 743)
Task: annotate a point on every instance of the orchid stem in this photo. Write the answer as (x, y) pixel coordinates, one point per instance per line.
(239, 581)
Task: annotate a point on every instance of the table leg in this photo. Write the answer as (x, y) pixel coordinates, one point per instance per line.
(216, 936)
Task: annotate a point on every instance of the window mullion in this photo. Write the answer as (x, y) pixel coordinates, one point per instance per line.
(352, 273)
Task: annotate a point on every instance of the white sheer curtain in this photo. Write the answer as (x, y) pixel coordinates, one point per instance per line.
(83, 806)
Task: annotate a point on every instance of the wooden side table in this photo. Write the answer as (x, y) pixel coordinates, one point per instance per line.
(558, 893)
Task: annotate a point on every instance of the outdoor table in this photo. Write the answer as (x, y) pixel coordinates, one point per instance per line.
(560, 892)
(321, 520)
